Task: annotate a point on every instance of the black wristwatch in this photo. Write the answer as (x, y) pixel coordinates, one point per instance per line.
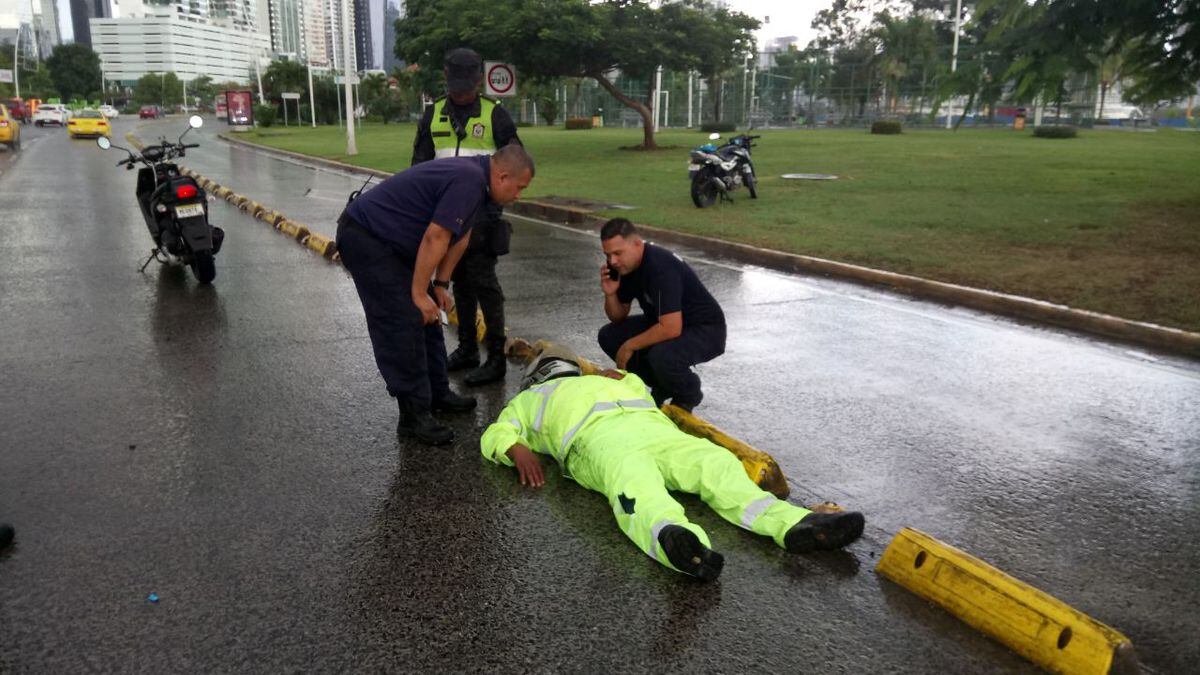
(443, 284)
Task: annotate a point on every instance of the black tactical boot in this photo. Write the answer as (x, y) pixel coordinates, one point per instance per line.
(493, 370)
(452, 402)
(688, 555)
(465, 356)
(416, 421)
(824, 532)
(6, 535)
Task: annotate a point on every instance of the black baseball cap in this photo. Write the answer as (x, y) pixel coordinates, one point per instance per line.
(464, 70)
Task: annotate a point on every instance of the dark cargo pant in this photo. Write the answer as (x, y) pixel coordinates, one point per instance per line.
(667, 366)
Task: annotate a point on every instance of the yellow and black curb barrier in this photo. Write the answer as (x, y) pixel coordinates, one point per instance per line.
(318, 243)
(1036, 625)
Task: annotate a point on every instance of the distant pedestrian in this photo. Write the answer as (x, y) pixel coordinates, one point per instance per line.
(464, 123)
(681, 323)
(394, 240)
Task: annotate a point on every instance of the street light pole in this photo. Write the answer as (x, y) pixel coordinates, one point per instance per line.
(312, 106)
(347, 60)
(954, 60)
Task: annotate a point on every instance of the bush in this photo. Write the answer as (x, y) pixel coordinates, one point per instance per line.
(1055, 132)
(718, 127)
(264, 115)
(885, 127)
(579, 123)
(523, 125)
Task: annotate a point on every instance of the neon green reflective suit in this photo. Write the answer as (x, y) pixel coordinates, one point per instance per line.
(610, 437)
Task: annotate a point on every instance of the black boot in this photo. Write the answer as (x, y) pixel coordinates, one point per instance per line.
(465, 356)
(688, 555)
(452, 402)
(493, 370)
(824, 531)
(6, 535)
(416, 421)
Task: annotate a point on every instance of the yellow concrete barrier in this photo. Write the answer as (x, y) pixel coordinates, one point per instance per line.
(760, 466)
(1036, 625)
(293, 229)
(321, 244)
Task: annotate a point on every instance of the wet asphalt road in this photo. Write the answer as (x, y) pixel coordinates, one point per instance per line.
(232, 450)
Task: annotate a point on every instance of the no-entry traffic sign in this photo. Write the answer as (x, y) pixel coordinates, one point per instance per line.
(501, 79)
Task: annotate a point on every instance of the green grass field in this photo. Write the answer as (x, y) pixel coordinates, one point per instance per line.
(1109, 221)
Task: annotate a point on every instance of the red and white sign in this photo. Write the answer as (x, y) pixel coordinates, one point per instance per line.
(500, 78)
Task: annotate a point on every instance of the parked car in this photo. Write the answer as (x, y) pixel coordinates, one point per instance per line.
(51, 113)
(152, 112)
(10, 129)
(109, 112)
(87, 123)
(18, 108)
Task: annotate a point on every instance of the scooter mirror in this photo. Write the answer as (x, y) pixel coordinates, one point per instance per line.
(714, 136)
(195, 121)
(104, 143)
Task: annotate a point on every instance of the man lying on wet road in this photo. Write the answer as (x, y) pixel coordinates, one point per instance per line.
(608, 435)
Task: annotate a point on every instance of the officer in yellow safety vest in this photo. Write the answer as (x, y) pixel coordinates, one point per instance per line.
(463, 123)
(609, 436)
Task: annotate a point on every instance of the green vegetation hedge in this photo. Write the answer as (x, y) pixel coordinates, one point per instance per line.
(264, 115)
(579, 123)
(885, 127)
(1055, 132)
(718, 127)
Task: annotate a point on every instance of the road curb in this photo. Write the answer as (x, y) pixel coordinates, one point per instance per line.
(1154, 336)
(1032, 623)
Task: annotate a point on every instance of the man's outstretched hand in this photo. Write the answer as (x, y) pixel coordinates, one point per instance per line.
(528, 466)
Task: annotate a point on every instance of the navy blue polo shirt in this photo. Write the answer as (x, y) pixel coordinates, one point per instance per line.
(664, 284)
(446, 192)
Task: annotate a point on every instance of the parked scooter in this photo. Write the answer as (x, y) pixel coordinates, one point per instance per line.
(716, 171)
(174, 206)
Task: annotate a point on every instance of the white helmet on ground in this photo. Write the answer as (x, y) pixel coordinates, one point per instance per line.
(546, 368)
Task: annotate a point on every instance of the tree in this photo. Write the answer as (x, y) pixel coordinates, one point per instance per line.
(561, 38)
(202, 87)
(158, 89)
(723, 40)
(75, 70)
(284, 76)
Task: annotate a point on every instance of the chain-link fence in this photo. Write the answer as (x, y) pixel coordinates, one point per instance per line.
(821, 93)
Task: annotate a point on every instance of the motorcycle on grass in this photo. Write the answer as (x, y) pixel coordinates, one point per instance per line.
(174, 206)
(717, 171)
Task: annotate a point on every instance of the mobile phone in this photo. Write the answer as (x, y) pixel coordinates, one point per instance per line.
(613, 274)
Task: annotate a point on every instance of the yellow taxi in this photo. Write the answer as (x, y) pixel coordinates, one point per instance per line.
(87, 123)
(10, 129)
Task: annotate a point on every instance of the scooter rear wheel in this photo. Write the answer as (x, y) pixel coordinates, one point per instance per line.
(204, 267)
(704, 193)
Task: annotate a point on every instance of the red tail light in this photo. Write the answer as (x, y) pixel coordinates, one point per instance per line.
(185, 191)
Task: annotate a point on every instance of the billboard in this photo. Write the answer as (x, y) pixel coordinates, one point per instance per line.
(240, 107)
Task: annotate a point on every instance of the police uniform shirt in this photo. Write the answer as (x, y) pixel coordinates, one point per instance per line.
(447, 192)
(664, 284)
(504, 131)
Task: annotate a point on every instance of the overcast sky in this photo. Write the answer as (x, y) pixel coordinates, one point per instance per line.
(787, 17)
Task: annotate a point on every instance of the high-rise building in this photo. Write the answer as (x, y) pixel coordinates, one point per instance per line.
(364, 51)
(82, 11)
(288, 27)
(217, 38)
(393, 10)
(316, 29)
